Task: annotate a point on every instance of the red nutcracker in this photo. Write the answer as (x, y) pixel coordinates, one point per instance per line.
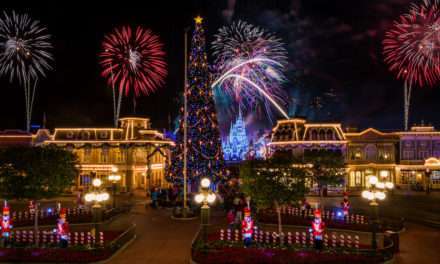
(247, 227)
(31, 207)
(345, 204)
(63, 229)
(318, 227)
(6, 223)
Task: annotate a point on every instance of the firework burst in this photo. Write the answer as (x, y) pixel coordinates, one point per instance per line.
(249, 66)
(412, 48)
(133, 60)
(25, 53)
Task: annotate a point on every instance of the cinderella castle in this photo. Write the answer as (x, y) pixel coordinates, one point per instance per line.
(236, 145)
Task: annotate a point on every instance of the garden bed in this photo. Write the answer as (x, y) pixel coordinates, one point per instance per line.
(57, 255)
(80, 253)
(269, 216)
(233, 252)
(238, 255)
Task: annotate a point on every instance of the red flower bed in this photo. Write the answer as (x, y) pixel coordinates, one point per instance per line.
(57, 255)
(277, 256)
(52, 253)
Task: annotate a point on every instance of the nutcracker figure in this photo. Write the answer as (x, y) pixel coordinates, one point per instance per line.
(63, 228)
(31, 207)
(345, 204)
(6, 225)
(247, 227)
(318, 227)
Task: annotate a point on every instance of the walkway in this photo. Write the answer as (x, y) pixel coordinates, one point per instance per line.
(159, 239)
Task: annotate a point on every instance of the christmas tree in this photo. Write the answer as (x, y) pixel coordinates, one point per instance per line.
(204, 154)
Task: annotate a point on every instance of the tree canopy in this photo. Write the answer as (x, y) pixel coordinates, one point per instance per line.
(271, 182)
(36, 172)
(327, 167)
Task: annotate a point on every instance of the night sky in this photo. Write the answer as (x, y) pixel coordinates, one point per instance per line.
(336, 70)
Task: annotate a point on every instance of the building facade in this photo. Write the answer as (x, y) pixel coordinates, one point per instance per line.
(138, 152)
(236, 145)
(410, 159)
(297, 136)
(370, 152)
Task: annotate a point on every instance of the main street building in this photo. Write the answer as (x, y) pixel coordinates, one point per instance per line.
(138, 152)
(410, 159)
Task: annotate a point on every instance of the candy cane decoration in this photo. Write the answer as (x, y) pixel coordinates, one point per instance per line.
(333, 240)
(255, 234)
(349, 242)
(101, 239)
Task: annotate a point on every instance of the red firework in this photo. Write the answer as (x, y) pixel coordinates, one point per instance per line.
(133, 59)
(412, 47)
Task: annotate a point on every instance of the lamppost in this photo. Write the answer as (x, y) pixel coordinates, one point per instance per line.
(205, 197)
(376, 192)
(114, 178)
(97, 196)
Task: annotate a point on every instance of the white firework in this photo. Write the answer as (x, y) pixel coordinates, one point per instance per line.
(249, 66)
(25, 53)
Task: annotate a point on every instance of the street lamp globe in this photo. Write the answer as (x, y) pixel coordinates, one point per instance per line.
(389, 185)
(365, 194)
(90, 197)
(373, 180)
(205, 183)
(380, 195)
(199, 198)
(101, 197)
(96, 182)
(211, 198)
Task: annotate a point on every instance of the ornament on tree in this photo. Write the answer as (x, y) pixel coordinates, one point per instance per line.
(6, 225)
(318, 227)
(63, 229)
(203, 157)
(345, 204)
(247, 227)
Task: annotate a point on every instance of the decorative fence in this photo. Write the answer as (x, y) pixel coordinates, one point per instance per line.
(24, 216)
(303, 239)
(326, 215)
(48, 238)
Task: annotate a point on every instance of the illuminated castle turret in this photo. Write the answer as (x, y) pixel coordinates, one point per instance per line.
(236, 145)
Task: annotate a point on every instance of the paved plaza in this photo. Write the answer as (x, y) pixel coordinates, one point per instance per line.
(163, 240)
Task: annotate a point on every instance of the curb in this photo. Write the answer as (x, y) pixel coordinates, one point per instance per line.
(184, 219)
(117, 251)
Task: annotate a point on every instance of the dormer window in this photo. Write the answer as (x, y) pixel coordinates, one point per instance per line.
(103, 134)
(85, 135)
(69, 135)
